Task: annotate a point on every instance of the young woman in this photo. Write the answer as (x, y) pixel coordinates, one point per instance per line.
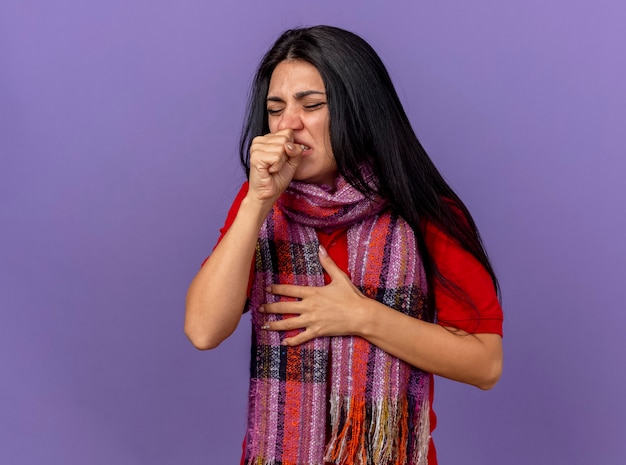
(363, 271)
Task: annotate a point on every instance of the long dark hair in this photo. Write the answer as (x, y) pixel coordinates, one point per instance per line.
(368, 125)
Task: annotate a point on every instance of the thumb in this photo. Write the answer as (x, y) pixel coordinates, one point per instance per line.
(293, 150)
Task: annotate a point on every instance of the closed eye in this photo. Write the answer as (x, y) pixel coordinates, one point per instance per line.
(314, 106)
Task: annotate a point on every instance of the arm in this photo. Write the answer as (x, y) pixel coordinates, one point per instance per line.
(217, 294)
(469, 358)
(340, 309)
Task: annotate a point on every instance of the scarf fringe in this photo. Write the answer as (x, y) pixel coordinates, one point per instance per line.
(259, 461)
(385, 440)
(422, 433)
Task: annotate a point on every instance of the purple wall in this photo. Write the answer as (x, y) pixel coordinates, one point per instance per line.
(118, 130)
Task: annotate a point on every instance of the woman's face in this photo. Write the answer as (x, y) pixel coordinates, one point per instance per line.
(296, 100)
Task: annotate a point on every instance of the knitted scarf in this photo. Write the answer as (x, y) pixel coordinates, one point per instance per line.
(335, 399)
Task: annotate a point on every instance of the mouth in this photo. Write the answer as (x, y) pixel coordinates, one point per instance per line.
(305, 147)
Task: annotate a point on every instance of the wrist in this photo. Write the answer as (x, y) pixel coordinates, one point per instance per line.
(254, 208)
(366, 320)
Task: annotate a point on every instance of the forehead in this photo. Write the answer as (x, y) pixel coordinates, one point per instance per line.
(293, 76)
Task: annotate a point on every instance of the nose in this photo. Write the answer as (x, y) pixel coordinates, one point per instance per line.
(291, 118)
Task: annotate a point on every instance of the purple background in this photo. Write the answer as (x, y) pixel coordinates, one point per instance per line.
(118, 129)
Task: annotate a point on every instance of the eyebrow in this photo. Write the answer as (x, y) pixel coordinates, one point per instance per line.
(298, 95)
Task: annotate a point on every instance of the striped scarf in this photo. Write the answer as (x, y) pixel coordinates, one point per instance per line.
(335, 399)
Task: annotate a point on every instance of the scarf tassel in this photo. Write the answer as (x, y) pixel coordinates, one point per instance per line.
(384, 440)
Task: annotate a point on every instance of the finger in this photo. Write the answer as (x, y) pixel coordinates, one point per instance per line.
(271, 143)
(329, 265)
(282, 308)
(282, 136)
(272, 155)
(287, 132)
(268, 143)
(293, 151)
(277, 164)
(286, 324)
(268, 158)
(301, 338)
(288, 290)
